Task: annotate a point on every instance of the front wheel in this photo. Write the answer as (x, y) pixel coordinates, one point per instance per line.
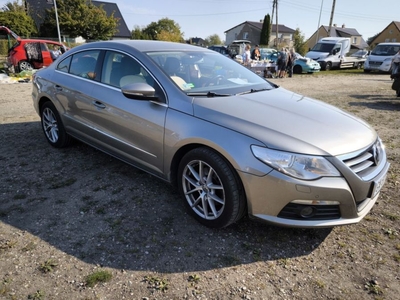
(212, 191)
(297, 69)
(328, 66)
(52, 126)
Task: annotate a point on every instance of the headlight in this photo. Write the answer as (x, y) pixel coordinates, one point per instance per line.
(296, 165)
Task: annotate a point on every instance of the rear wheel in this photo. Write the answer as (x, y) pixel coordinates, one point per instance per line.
(212, 191)
(24, 66)
(53, 127)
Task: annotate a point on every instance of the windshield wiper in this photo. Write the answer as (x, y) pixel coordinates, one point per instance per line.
(208, 94)
(253, 91)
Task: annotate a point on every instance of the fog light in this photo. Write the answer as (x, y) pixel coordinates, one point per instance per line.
(308, 212)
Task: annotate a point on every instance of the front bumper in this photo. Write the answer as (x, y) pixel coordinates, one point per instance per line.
(377, 66)
(271, 197)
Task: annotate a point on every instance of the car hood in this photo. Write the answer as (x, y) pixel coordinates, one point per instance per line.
(288, 121)
(317, 55)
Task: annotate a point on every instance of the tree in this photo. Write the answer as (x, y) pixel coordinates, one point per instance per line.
(79, 18)
(14, 16)
(165, 29)
(137, 34)
(266, 31)
(213, 40)
(299, 42)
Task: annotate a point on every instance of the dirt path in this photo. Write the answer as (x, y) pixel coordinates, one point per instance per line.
(72, 213)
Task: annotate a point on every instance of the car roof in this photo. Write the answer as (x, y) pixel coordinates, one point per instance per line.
(143, 45)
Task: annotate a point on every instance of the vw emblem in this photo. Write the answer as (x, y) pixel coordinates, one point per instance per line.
(376, 149)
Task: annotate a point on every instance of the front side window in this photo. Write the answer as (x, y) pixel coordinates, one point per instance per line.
(120, 69)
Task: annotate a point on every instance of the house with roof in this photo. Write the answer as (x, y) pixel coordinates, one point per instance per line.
(196, 41)
(251, 31)
(37, 9)
(391, 33)
(357, 41)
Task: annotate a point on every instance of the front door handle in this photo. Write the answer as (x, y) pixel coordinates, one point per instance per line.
(99, 104)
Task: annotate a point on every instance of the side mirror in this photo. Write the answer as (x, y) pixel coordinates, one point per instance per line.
(139, 91)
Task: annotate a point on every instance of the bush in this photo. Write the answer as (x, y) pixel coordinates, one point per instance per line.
(3, 47)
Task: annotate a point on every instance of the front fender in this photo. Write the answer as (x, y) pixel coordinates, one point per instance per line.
(186, 131)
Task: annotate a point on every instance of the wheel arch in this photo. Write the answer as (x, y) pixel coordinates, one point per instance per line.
(42, 101)
(187, 148)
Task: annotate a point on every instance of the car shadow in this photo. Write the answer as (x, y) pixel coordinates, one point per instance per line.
(105, 212)
(377, 102)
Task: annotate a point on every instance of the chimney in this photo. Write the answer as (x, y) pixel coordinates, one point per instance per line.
(343, 26)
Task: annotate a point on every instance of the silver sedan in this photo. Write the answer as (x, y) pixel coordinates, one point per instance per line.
(232, 142)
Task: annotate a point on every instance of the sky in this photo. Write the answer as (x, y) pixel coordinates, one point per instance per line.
(202, 18)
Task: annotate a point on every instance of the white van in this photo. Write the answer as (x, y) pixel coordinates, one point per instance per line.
(380, 59)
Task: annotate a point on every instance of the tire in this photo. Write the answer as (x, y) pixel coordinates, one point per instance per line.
(328, 66)
(367, 71)
(211, 190)
(53, 127)
(24, 65)
(297, 69)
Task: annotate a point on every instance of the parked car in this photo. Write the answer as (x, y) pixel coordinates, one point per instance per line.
(305, 65)
(265, 52)
(301, 64)
(28, 54)
(221, 49)
(361, 53)
(232, 142)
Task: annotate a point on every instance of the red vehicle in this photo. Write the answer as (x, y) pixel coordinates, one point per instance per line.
(28, 54)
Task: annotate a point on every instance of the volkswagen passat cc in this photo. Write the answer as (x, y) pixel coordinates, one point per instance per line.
(232, 142)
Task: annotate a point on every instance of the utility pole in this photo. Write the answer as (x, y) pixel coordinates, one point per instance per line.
(277, 33)
(319, 21)
(58, 24)
(331, 19)
(273, 10)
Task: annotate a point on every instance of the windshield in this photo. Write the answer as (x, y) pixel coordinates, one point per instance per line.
(323, 47)
(206, 72)
(385, 50)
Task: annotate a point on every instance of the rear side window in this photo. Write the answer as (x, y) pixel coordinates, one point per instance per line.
(83, 64)
(63, 66)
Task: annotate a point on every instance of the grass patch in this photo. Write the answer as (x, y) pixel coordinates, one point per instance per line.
(38, 295)
(7, 244)
(193, 279)
(48, 266)
(29, 247)
(156, 283)
(98, 277)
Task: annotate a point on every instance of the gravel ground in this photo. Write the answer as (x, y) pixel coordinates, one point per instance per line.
(78, 224)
